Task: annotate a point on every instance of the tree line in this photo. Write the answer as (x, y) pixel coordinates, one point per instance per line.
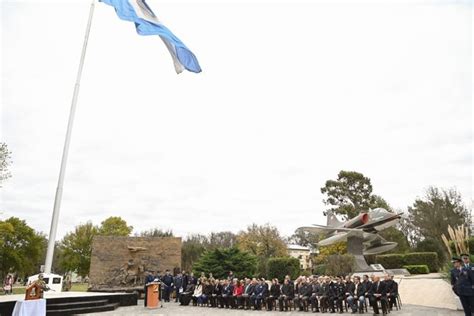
(22, 249)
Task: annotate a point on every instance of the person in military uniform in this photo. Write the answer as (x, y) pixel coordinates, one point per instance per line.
(464, 284)
(454, 273)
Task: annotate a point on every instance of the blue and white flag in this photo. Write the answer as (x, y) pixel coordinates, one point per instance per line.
(147, 23)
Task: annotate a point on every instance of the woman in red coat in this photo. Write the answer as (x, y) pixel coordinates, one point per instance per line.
(237, 294)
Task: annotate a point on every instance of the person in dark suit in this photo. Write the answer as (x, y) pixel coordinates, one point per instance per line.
(259, 295)
(465, 284)
(227, 292)
(359, 295)
(325, 294)
(274, 294)
(216, 296)
(392, 291)
(303, 294)
(148, 279)
(178, 285)
(367, 284)
(168, 285)
(378, 292)
(316, 294)
(186, 296)
(286, 295)
(350, 294)
(248, 292)
(337, 295)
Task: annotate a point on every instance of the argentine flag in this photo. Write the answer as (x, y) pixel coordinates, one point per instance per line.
(147, 23)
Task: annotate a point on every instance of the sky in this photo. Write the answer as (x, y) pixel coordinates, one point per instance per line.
(291, 93)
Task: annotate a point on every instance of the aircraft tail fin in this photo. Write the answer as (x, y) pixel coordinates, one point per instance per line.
(332, 220)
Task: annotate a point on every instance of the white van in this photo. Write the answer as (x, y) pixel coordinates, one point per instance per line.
(54, 281)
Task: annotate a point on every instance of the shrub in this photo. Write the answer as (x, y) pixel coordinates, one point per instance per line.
(417, 269)
(396, 261)
(393, 261)
(340, 264)
(419, 258)
(280, 267)
(320, 269)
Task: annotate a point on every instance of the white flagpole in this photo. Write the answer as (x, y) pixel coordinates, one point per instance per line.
(59, 190)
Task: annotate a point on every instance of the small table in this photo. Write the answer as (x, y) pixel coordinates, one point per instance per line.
(30, 308)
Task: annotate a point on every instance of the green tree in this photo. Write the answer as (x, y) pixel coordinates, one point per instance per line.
(303, 238)
(222, 260)
(280, 267)
(433, 245)
(5, 162)
(264, 242)
(22, 247)
(156, 232)
(191, 249)
(76, 247)
(350, 194)
(114, 226)
(431, 215)
(394, 234)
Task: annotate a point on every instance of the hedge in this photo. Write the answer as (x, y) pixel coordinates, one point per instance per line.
(419, 258)
(280, 267)
(320, 269)
(417, 269)
(396, 261)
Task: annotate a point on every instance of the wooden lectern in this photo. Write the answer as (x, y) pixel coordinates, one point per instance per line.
(153, 290)
(34, 292)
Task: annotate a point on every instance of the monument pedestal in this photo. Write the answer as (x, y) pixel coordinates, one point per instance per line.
(356, 248)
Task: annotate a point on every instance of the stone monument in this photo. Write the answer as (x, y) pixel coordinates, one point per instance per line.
(120, 263)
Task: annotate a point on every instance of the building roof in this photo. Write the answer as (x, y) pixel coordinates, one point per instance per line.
(297, 247)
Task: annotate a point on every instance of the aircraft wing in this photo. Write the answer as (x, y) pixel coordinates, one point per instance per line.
(377, 244)
(317, 229)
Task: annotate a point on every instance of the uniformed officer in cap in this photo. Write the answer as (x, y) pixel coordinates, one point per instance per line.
(464, 282)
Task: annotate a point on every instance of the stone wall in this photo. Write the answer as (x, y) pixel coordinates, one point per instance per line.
(121, 262)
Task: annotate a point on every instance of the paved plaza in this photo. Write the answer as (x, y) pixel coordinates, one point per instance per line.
(174, 309)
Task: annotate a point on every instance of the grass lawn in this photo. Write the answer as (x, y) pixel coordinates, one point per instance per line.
(76, 287)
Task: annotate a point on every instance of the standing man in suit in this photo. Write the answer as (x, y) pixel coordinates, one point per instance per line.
(178, 285)
(378, 292)
(168, 282)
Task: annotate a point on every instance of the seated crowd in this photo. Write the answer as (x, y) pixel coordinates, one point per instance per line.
(315, 293)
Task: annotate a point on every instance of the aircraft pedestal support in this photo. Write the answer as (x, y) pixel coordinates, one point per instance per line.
(355, 247)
